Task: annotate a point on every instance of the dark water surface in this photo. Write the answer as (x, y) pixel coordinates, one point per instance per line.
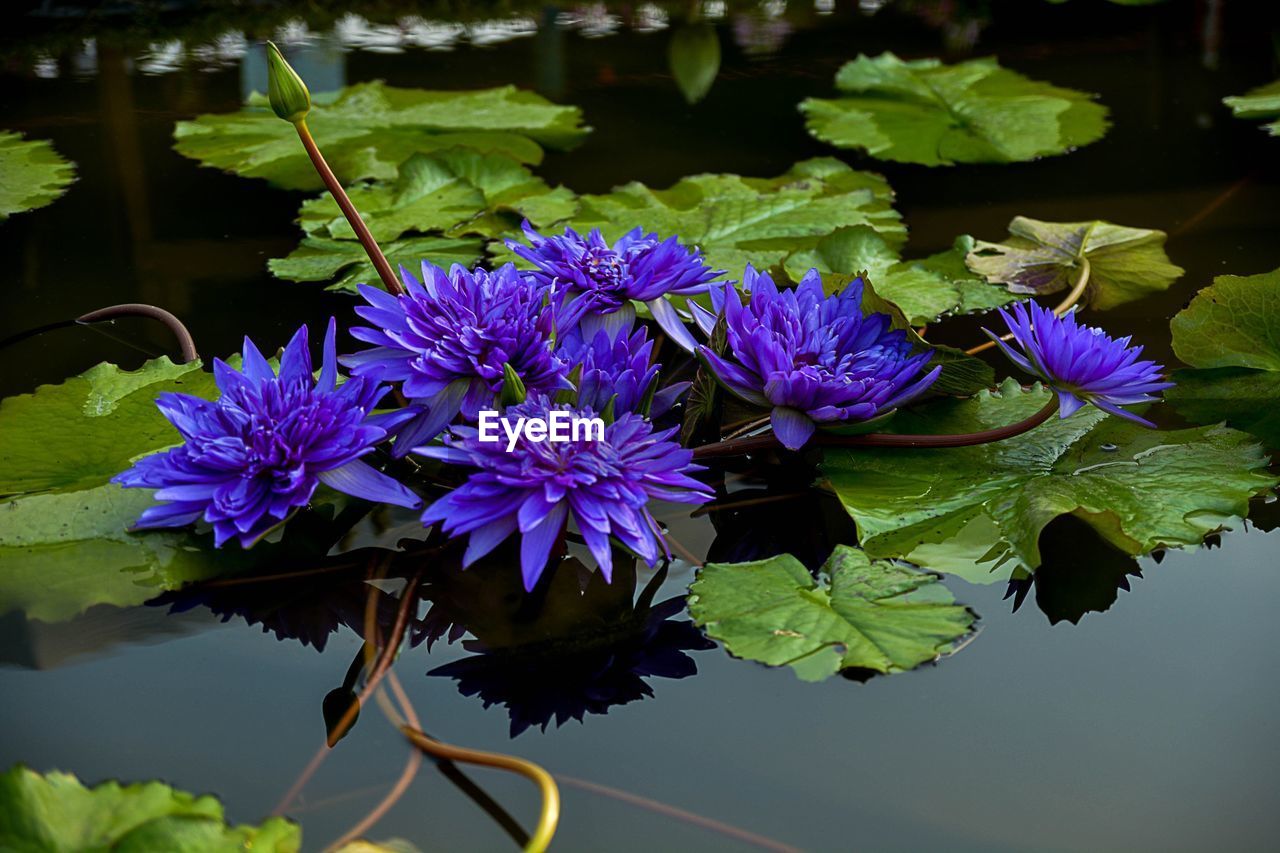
(1148, 727)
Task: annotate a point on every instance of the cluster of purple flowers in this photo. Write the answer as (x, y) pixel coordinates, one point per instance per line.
(563, 338)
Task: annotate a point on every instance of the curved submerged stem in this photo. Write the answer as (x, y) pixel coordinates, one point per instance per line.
(371, 248)
(140, 309)
(550, 815)
(1061, 308)
(768, 441)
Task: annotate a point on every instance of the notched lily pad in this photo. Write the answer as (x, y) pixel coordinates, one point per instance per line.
(368, 129)
(925, 111)
(32, 174)
(870, 614)
(1045, 257)
(978, 511)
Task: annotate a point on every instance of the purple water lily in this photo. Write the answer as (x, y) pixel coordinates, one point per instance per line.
(619, 369)
(603, 484)
(257, 453)
(1081, 363)
(598, 282)
(811, 358)
(448, 338)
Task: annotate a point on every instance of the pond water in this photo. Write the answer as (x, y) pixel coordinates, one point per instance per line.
(1090, 717)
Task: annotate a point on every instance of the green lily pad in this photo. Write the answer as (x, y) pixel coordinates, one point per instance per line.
(83, 432)
(32, 174)
(737, 220)
(64, 543)
(1234, 322)
(1262, 102)
(344, 264)
(1231, 332)
(1045, 257)
(926, 290)
(864, 613)
(365, 131)
(1140, 489)
(441, 191)
(928, 112)
(56, 812)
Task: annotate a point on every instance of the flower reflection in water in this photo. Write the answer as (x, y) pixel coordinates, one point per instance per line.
(577, 646)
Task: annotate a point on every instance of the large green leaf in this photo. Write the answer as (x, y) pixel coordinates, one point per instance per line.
(871, 614)
(1262, 102)
(1231, 330)
(1234, 322)
(953, 509)
(55, 812)
(1045, 257)
(737, 220)
(32, 174)
(925, 289)
(64, 544)
(925, 111)
(344, 263)
(80, 433)
(448, 189)
(368, 129)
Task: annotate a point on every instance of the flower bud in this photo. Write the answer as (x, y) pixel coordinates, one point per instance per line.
(513, 391)
(288, 94)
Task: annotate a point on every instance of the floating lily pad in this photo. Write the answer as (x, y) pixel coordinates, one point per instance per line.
(81, 433)
(344, 264)
(63, 526)
(1045, 257)
(1234, 322)
(928, 112)
(365, 131)
(926, 289)
(979, 511)
(443, 191)
(1262, 102)
(864, 613)
(737, 220)
(55, 811)
(32, 174)
(1231, 331)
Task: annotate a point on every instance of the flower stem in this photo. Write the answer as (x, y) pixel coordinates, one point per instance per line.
(139, 309)
(768, 441)
(550, 814)
(371, 248)
(1062, 307)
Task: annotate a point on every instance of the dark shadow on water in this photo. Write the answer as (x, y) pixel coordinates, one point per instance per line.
(577, 646)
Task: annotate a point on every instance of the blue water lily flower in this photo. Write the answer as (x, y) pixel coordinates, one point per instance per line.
(811, 358)
(1081, 363)
(257, 453)
(598, 281)
(620, 369)
(535, 487)
(446, 340)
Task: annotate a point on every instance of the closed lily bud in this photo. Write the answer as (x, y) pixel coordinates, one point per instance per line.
(288, 94)
(513, 391)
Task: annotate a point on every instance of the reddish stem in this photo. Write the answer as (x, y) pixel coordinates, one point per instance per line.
(769, 441)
